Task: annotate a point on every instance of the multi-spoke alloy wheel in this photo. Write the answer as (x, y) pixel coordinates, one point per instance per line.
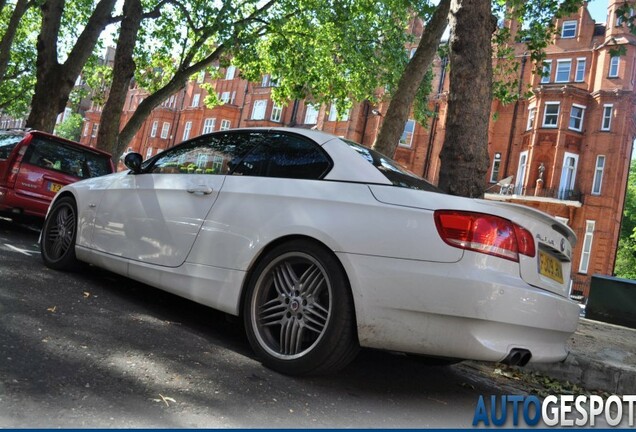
(57, 244)
(298, 310)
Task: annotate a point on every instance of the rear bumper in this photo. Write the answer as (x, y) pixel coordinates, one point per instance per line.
(18, 204)
(466, 310)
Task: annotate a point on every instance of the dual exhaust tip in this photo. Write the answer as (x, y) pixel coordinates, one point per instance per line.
(517, 357)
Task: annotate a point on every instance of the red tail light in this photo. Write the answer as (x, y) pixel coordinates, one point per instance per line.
(14, 169)
(484, 233)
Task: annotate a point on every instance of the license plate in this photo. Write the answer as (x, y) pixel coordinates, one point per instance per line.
(54, 187)
(550, 267)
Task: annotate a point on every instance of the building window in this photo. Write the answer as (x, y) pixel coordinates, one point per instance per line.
(551, 115)
(225, 97)
(153, 130)
(333, 114)
(195, 99)
(311, 115)
(613, 69)
(258, 110)
(230, 71)
(494, 172)
(568, 175)
(568, 30)
(225, 125)
(95, 129)
(172, 101)
(86, 127)
(532, 114)
(149, 152)
(547, 72)
(521, 172)
(277, 113)
(406, 140)
(587, 246)
(563, 70)
(598, 175)
(201, 77)
(186, 130)
(608, 110)
(233, 98)
(576, 117)
(208, 125)
(265, 81)
(165, 129)
(580, 70)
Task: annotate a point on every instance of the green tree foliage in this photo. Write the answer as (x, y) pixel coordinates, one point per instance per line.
(626, 254)
(70, 128)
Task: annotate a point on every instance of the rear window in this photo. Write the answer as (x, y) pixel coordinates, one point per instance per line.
(67, 159)
(397, 175)
(8, 143)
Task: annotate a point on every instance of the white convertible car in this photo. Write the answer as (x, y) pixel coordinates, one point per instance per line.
(322, 246)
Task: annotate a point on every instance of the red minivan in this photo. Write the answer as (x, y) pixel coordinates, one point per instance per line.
(35, 165)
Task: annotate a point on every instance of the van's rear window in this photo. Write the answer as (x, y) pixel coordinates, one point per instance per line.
(67, 159)
(7, 143)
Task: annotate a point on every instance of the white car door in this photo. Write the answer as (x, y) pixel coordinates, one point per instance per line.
(155, 216)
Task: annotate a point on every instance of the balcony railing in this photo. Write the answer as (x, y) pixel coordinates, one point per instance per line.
(554, 193)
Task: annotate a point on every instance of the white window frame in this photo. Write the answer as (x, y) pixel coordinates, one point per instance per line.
(195, 100)
(277, 113)
(230, 72)
(560, 71)
(532, 115)
(201, 77)
(165, 130)
(568, 174)
(573, 118)
(225, 125)
(586, 250)
(494, 173)
(258, 109)
(545, 114)
(522, 168)
(606, 122)
(599, 168)
(614, 67)
(149, 153)
(208, 125)
(186, 130)
(311, 114)
(95, 130)
(153, 130)
(225, 97)
(86, 127)
(579, 75)
(570, 27)
(406, 140)
(546, 72)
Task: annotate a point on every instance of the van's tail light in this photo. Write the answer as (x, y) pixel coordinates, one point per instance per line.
(484, 233)
(14, 169)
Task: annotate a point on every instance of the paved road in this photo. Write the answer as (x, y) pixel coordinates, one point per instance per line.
(92, 349)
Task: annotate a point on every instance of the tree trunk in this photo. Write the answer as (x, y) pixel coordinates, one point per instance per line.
(123, 72)
(400, 106)
(464, 155)
(144, 109)
(7, 39)
(54, 80)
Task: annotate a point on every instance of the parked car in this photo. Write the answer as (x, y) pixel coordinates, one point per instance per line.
(35, 165)
(322, 246)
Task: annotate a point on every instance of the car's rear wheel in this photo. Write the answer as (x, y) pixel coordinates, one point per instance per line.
(57, 245)
(298, 310)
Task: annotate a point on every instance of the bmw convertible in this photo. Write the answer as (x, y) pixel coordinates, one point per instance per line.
(323, 246)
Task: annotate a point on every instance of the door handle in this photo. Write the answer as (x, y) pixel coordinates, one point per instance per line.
(200, 190)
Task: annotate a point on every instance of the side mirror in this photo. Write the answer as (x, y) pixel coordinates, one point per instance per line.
(133, 162)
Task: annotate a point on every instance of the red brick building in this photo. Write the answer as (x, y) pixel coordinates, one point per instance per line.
(564, 150)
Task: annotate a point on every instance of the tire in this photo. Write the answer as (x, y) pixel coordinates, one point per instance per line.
(59, 232)
(298, 311)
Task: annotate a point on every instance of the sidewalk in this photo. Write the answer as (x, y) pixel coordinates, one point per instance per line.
(602, 357)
